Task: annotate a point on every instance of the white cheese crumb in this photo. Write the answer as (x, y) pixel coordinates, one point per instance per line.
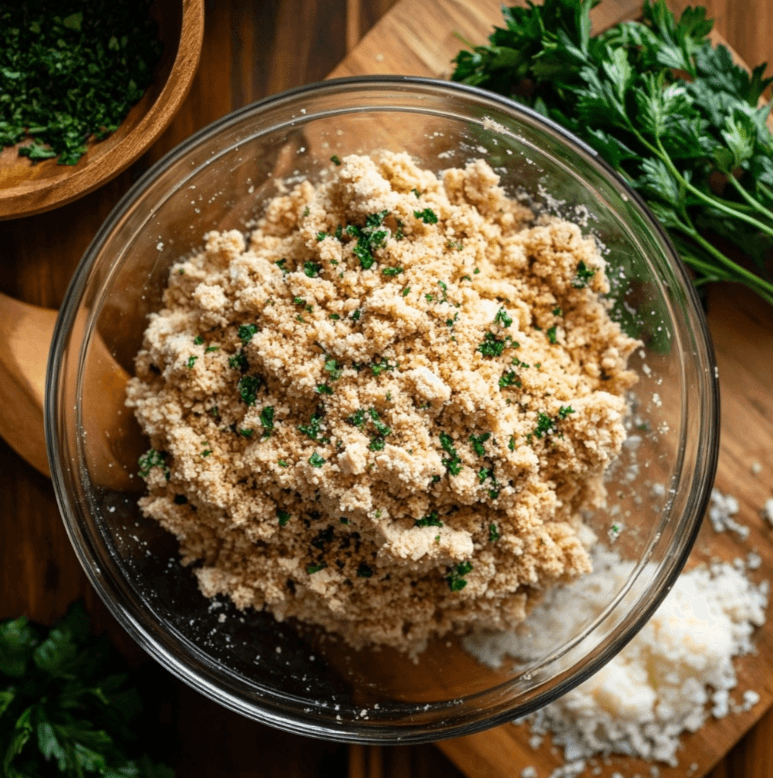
(767, 511)
(722, 508)
(676, 671)
(529, 772)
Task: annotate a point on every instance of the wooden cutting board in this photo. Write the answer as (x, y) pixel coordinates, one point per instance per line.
(419, 38)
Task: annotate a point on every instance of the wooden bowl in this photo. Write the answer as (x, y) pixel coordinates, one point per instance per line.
(27, 188)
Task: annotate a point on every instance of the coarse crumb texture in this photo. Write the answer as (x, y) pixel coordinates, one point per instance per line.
(676, 672)
(383, 412)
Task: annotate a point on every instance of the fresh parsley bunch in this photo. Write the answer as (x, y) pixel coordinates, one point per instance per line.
(672, 114)
(63, 708)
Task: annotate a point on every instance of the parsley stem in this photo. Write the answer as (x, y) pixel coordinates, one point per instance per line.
(743, 275)
(709, 199)
(755, 204)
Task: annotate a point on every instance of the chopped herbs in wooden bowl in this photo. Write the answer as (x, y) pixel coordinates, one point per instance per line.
(85, 88)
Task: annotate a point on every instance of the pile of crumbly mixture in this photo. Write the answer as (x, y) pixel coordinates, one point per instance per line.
(668, 680)
(384, 411)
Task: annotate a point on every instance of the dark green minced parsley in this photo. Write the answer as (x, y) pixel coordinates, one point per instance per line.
(246, 332)
(70, 70)
(311, 269)
(551, 333)
(68, 704)
(335, 159)
(491, 346)
(428, 216)
(369, 238)
(478, 441)
(150, 459)
(503, 318)
(282, 516)
(582, 276)
(238, 361)
(431, 520)
(456, 578)
(312, 429)
(315, 460)
(452, 462)
(191, 361)
(493, 533)
(333, 370)
(248, 387)
(392, 271)
(267, 420)
(546, 425)
(311, 569)
(198, 340)
(510, 378)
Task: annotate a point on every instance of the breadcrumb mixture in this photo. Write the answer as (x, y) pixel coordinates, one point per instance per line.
(385, 410)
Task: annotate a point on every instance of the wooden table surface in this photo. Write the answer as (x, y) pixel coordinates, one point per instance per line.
(252, 48)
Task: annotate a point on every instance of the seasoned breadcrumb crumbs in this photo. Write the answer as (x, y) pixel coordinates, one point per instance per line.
(384, 411)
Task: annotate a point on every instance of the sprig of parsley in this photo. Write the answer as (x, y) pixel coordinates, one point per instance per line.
(674, 116)
(66, 705)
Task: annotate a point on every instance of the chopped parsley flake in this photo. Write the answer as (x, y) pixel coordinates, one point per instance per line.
(210, 349)
(355, 315)
(429, 521)
(333, 316)
(369, 238)
(280, 263)
(267, 420)
(564, 411)
(191, 361)
(357, 419)
(491, 346)
(151, 459)
(405, 291)
(311, 569)
(312, 429)
(246, 332)
(282, 463)
(452, 463)
(428, 216)
(493, 533)
(416, 192)
(282, 516)
(311, 269)
(238, 361)
(248, 387)
(455, 579)
(583, 276)
(198, 340)
(321, 236)
(557, 311)
(551, 333)
(392, 271)
(245, 433)
(306, 211)
(323, 389)
(477, 443)
(335, 159)
(315, 460)
(503, 318)
(332, 369)
(455, 244)
(509, 379)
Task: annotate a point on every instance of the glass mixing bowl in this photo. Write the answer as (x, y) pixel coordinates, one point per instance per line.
(295, 677)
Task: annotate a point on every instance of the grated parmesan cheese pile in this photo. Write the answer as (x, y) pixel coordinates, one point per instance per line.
(676, 672)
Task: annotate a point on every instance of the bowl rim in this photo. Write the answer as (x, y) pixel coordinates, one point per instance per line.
(274, 715)
(30, 197)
